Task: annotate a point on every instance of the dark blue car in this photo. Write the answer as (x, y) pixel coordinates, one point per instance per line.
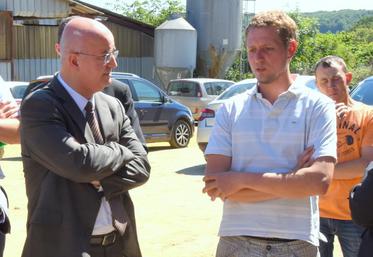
(363, 92)
(161, 119)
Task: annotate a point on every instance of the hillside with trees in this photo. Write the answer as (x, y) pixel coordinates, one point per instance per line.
(346, 33)
(337, 21)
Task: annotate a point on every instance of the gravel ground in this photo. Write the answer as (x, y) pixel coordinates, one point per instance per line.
(174, 218)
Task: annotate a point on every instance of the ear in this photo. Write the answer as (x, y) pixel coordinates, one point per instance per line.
(73, 60)
(292, 48)
(348, 77)
(57, 47)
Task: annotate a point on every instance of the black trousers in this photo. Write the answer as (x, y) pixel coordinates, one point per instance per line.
(2, 243)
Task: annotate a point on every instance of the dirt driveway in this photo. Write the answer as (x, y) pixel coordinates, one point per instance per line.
(174, 218)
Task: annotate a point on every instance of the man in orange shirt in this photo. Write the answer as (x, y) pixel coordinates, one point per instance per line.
(355, 151)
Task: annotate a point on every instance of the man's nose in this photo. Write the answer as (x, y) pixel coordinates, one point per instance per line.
(113, 62)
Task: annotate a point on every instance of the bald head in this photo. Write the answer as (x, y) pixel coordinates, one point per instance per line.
(87, 51)
(80, 31)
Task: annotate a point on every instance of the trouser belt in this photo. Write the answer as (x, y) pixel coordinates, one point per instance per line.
(104, 240)
(270, 239)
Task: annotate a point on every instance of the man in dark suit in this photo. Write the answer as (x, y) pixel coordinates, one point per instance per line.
(361, 199)
(122, 91)
(116, 88)
(77, 145)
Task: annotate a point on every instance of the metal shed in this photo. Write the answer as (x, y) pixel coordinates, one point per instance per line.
(28, 32)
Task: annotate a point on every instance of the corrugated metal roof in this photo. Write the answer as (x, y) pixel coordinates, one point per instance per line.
(121, 20)
(36, 8)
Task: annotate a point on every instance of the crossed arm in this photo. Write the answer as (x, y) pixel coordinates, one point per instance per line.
(47, 139)
(307, 178)
(9, 123)
(354, 168)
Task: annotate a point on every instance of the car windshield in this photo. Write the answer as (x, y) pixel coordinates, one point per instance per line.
(236, 89)
(364, 92)
(216, 88)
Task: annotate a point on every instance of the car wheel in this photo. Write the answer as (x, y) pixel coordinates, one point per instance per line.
(180, 134)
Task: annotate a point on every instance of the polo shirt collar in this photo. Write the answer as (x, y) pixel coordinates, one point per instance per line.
(294, 89)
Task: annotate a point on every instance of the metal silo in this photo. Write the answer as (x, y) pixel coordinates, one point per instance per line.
(218, 24)
(175, 50)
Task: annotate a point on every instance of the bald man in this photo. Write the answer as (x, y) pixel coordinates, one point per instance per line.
(81, 155)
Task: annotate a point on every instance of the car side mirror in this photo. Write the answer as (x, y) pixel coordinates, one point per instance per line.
(165, 99)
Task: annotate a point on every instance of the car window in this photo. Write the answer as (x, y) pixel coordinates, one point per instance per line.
(184, 88)
(18, 91)
(216, 88)
(364, 92)
(146, 92)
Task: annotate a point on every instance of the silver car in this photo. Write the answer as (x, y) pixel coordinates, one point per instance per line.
(196, 93)
(207, 118)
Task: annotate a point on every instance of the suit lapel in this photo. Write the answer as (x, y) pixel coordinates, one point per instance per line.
(72, 110)
(104, 117)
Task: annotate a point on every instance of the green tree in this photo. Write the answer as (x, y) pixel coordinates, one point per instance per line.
(307, 29)
(153, 12)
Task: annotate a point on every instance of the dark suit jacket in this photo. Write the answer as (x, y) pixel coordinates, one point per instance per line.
(60, 159)
(361, 205)
(116, 89)
(122, 91)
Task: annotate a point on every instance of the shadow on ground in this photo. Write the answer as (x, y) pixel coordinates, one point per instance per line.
(158, 148)
(194, 171)
(12, 159)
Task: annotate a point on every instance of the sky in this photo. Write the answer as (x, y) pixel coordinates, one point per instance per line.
(286, 5)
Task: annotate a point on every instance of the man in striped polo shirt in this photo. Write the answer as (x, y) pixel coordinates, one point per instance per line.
(271, 152)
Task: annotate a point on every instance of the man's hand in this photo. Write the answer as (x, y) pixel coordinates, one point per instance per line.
(341, 109)
(8, 110)
(222, 184)
(304, 159)
(96, 184)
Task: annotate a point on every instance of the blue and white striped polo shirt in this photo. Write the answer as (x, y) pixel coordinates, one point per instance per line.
(261, 137)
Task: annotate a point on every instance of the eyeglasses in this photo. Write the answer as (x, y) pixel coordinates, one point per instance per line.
(106, 57)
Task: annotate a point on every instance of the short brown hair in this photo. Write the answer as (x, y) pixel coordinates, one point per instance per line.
(285, 25)
(329, 61)
(62, 25)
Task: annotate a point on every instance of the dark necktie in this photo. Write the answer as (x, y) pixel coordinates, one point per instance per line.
(116, 205)
(93, 124)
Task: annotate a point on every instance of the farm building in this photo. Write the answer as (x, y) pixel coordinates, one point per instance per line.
(28, 32)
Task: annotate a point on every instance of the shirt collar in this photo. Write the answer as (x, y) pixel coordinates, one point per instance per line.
(295, 89)
(80, 100)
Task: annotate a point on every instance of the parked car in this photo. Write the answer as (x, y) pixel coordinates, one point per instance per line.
(196, 93)
(207, 118)
(363, 92)
(13, 89)
(161, 118)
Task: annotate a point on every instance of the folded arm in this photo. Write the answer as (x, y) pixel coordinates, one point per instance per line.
(9, 124)
(132, 174)
(9, 131)
(46, 138)
(310, 178)
(219, 164)
(355, 168)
